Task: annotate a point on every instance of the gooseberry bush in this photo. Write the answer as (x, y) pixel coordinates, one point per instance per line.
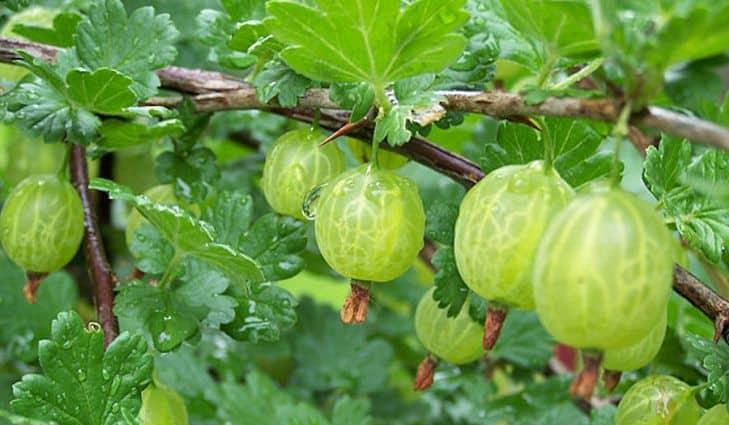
(364, 212)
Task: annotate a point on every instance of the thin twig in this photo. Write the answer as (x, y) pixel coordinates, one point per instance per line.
(102, 278)
(214, 91)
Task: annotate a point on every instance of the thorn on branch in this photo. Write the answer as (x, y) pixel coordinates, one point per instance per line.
(349, 128)
(354, 310)
(425, 373)
(495, 317)
(32, 283)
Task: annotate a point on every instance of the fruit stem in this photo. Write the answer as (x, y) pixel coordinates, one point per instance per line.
(426, 371)
(32, 283)
(354, 310)
(584, 384)
(611, 378)
(495, 316)
(620, 131)
(548, 143)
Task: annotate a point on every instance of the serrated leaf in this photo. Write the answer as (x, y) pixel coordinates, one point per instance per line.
(665, 165)
(383, 43)
(193, 171)
(440, 222)
(104, 91)
(189, 236)
(244, 9)
(450, 290)
(277, 80)
(715, 360)
(349, 411)
(394, 126)
(231, 216)
(356, 97)
(515, 144)
(118, 134)
(81, 383)
(215, 30)
(22, 324)
(276, 242)
(263, 314)
(135, 44)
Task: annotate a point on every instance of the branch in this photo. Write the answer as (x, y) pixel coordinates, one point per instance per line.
(102, 278)
(214, 91)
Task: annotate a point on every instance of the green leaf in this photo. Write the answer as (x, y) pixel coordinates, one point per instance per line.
(81, 383)
(104, 91)
(215, 30)
(356, 97)
(715, 360)
(118, 134)
(242, 9)
(383, 44)
(394, 126)
(231, 216)
(450, 290)
(276, 243)
(574, 145)
(24, 324)
(189, 236)
(701, 219)
(9, 418)
(331, 356)
(349, 411)
(263, 314)
(524, 341)
(134, 45)
(440, 222)
(61, 35)
(193, 171)
(277, 80)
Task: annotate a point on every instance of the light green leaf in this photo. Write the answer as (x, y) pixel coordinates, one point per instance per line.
(383, 43)
(119, 134)
(104, 91)
(82, 384)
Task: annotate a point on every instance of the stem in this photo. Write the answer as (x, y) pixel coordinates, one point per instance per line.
(317, 117)
(548, 142)
(102, 278)
(546, 70)
(620, 131)
(170, 272)
(579, 75)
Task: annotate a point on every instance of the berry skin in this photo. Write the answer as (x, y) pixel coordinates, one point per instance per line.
(639, 354)
(370, 224)
(717, 415)
(456, 340)
(296, 165)
(42, 223)
(657, 400)
(603, 271)
(162, 405)
(500, 223)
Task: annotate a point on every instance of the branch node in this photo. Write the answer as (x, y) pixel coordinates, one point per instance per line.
(354, 310)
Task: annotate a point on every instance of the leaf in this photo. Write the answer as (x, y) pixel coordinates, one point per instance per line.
(440, 222)
(189, 236)
(104, 91)
(134, 45)
(715, 360)
(215, 30)
(383, 44)
(329, 355)
(450, 290)
(61, 35)
(118, 134)
(524, 341)
(263, 315)
(701, 219)
(24, 324)
(356, 97)
(193, 171)
(277, 80)
(231, 216)
(515, 144)
(81, 383)
(349, 411)
(276, 243)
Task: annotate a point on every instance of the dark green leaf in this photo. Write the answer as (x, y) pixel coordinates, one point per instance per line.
(215, 30)
(715, 360)
(231, 215)
(81, 383)
(524, 341)
(262, 315)
(276, 243)
(279, 81)
(450, 290)
(61, 35)
(193, 172)
(440, 222)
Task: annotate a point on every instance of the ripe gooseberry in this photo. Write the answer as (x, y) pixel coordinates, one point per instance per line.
(658, 399)
(456, 340)
(161, 405)
(42, 223)
(499, 225)
(602, 274)
(639, 354)
(370, 224)
(296, 165)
